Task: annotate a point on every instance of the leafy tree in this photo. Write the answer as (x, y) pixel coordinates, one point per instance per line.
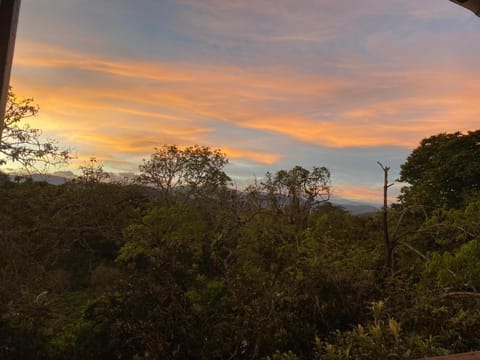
(22, 144)
(443, 171)
(183, 174)
(148, 314)
(343, 259)
(93, 173)
(295, 192)
(460, 271)
(453, 262)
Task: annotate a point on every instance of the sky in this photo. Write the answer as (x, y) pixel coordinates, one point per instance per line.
(273, 83)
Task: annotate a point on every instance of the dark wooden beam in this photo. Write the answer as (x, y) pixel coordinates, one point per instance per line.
(473, 5)
(9, 10)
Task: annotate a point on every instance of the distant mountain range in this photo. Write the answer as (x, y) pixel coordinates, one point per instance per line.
(358, 208)
(353, 207)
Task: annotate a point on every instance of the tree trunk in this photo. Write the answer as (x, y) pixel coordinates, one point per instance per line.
(389, 260)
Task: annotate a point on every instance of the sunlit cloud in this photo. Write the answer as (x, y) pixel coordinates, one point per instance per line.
(372, 194)
(250, 155)
(181, 94)
(320, 74)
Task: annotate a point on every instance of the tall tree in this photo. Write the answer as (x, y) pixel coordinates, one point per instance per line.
(444, 170)
(181, 174)
(296, 192)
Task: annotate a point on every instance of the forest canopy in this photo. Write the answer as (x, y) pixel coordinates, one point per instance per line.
(178, 265)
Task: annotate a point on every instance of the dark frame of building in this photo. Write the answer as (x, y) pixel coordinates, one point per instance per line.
(9, 10)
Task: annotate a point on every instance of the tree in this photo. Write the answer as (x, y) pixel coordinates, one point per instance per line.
(24, 145)
(296, 192)
(93, 173)
(182, 174)
(443, 171)
(389, 246)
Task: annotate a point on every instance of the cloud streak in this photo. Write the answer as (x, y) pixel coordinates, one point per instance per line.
(272, 101)
(250, 77)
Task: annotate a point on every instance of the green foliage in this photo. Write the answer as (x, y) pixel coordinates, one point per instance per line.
(142, 318)
(442, 171)
(459, 271)
(337, 248)
(52, 238)
(382, 338)
(164, 236)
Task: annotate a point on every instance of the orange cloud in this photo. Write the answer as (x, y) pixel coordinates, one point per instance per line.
(362, 193)
(256, 156)
(150, 103)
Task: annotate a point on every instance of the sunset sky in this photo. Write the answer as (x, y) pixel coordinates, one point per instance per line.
(274, 83)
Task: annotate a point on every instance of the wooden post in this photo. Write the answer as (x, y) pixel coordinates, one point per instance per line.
(9, 10)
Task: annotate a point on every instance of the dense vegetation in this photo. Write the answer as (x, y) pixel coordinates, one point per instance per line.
(177, 265)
